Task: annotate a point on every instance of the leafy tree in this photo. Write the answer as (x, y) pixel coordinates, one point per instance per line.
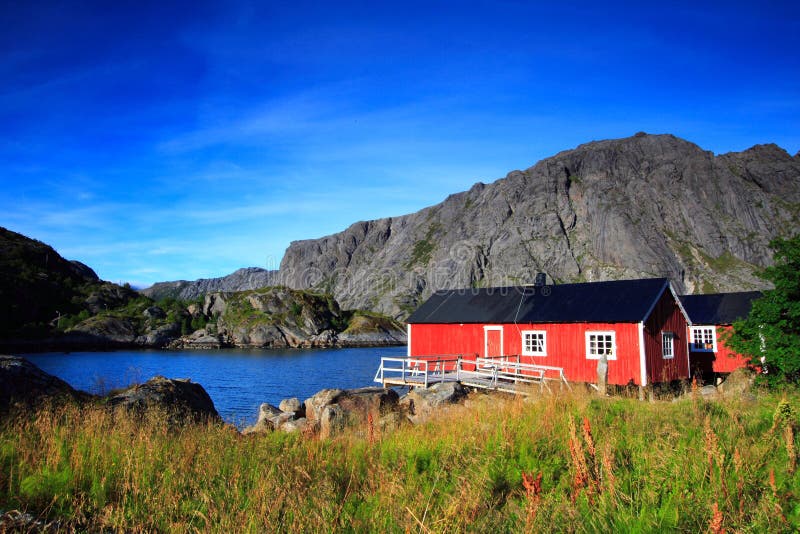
(772, 330)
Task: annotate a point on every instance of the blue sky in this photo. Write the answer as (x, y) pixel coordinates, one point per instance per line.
(167, 140)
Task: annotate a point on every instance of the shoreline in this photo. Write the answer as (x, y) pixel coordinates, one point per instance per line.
(39, 347)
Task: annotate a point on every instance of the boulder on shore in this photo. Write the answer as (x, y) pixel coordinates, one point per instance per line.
(24, 384)
(318, 401)
(328, 412)
(420, 403)
(339, 409)
(269, 419)
(184, 400)
(292, 405)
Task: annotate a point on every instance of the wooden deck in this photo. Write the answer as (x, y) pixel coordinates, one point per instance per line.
(506, 374)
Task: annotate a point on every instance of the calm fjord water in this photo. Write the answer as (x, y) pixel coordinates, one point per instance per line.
(238, 381)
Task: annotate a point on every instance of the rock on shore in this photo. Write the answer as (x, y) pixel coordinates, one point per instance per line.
(332, 411)
(23, 384)
(181, 399)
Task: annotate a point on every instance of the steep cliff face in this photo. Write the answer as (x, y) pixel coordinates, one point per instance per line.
(647, 205)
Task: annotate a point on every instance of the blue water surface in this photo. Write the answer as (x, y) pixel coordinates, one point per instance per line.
(238, 381)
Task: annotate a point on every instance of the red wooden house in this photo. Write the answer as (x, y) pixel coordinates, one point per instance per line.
(711, 316)
(639, 325)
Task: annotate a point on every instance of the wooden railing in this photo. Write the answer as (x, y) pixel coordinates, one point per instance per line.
(491, 372)
(510, 369)
(419, 370)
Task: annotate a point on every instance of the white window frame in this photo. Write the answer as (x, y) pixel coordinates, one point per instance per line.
(668, 345)
(598, 333)
(539, 333)
(700, 336)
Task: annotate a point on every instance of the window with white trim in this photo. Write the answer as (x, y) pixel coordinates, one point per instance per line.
(534, 343)
(599, 343)
(668, 344)
(704, 338)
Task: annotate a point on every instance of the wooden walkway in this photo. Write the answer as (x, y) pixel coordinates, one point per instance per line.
(506, 373)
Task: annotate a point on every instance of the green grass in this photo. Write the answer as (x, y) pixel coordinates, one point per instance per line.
(423, 249)
(605, 464)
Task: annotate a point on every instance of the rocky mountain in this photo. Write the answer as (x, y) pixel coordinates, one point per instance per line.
(242, 280)
(643, 206)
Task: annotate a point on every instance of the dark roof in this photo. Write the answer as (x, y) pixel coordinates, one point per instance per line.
(719, 308)
(622, 301)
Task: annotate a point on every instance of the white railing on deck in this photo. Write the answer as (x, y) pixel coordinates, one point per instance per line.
(498, 371)
(508, 369)
(411, 370)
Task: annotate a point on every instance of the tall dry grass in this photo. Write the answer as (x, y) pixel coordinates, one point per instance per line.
(568, 462)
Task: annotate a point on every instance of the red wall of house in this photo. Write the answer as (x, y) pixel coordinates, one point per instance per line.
(666, 317)
(722, 361)
(727, 361)
(449, 339)
(566, 346)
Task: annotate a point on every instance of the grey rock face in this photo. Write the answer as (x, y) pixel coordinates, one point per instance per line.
(199, 339)
(644, 206)
(160, 336)
(108, 330)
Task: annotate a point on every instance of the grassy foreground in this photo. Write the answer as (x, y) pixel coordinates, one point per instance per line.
(567, 463)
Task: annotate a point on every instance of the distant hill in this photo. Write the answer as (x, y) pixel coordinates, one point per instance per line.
(37, 286)
(242, 280)
(647, 205)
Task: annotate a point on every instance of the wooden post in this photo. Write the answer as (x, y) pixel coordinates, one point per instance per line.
(602, 374)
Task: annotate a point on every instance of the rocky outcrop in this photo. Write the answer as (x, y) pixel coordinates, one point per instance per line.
(24, 385)
(318, 401)
(330, 412)
(269, 418)
(106, 330)
(181, 400)
(293, 406)
(335, 409)
(241, 280)
(203, 339)
(278, 317)
(371, 331)
(421, 403)
(644, 206)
